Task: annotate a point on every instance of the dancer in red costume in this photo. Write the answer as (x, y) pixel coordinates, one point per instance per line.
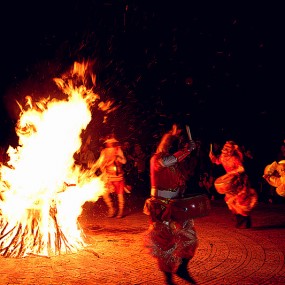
(110, 164)
(235, 185)
(274, 174)
(172, 241)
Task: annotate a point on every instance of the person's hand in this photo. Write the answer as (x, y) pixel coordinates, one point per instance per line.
(175, 131)
(211, 156)
(192, 145)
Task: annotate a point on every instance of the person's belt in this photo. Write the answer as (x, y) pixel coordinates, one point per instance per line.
(168, 194)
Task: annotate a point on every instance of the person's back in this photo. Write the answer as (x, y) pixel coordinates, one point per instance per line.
(171, 235)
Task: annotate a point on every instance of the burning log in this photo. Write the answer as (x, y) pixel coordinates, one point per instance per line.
(29, 237)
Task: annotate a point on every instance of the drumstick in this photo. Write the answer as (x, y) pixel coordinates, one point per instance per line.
(188, 132)
(211, 147)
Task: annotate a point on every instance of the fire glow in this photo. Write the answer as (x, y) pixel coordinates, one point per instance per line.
(39, 209)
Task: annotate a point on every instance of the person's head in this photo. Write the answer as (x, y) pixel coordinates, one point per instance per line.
(111, 146)
(137, 148)
(216, 146)
(198, 143)
(111, 143)
(170, 141)
(281, 167)
(126, 145)
(230, 148)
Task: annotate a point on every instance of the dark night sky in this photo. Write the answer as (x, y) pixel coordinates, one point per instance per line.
(216, 67)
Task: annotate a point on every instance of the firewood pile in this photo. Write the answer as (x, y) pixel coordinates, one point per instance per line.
(37, 233)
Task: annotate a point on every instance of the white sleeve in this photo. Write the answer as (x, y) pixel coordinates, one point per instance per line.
(168, 161)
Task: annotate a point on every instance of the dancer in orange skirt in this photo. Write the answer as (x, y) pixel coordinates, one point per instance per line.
(240, 197)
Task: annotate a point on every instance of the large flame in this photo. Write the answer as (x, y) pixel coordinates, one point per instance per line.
(42, 190)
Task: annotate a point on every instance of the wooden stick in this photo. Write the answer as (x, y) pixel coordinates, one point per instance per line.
(189, 132)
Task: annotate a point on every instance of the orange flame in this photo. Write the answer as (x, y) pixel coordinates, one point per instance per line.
(39, 211)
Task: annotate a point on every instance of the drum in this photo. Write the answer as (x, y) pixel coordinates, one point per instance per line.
(227, 183)
(194, 206)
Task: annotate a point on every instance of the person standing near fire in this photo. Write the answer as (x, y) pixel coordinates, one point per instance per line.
(173, 242)
(110, 163)
(240, 197)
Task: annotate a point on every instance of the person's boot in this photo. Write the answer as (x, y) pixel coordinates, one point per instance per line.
(121, 202)
(109, 203)
(111, 213)
(238, 217)
(239, 220)
(183, 273)
(248, 222)
(243, 222)
(168, 278)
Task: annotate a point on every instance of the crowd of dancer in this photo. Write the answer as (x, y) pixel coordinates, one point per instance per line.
(220, 171)
(177, 174)
(172, 238)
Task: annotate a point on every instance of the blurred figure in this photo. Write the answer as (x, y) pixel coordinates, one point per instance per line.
(3, 155)
(198, 163)
(274, 174)
(273, 178)
(251, 166)
(85, 157)
(171, 238)
(139, 157)
(281, 153)
(140, 181)
(206, 185)
(216, 170)
(128, 167)
(239, 195)
(110, 163)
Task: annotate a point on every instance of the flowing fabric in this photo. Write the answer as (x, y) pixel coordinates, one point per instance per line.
(169, 241)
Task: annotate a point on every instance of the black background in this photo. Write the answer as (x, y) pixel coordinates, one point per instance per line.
(217, 66)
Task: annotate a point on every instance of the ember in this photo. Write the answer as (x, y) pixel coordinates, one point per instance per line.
(42, 190)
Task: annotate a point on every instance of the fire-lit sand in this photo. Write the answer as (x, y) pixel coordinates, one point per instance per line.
(115, 255)
(39, 210)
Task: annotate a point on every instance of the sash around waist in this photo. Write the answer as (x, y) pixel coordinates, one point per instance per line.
(167, 193)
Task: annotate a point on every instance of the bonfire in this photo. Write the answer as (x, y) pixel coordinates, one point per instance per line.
(42, 189)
